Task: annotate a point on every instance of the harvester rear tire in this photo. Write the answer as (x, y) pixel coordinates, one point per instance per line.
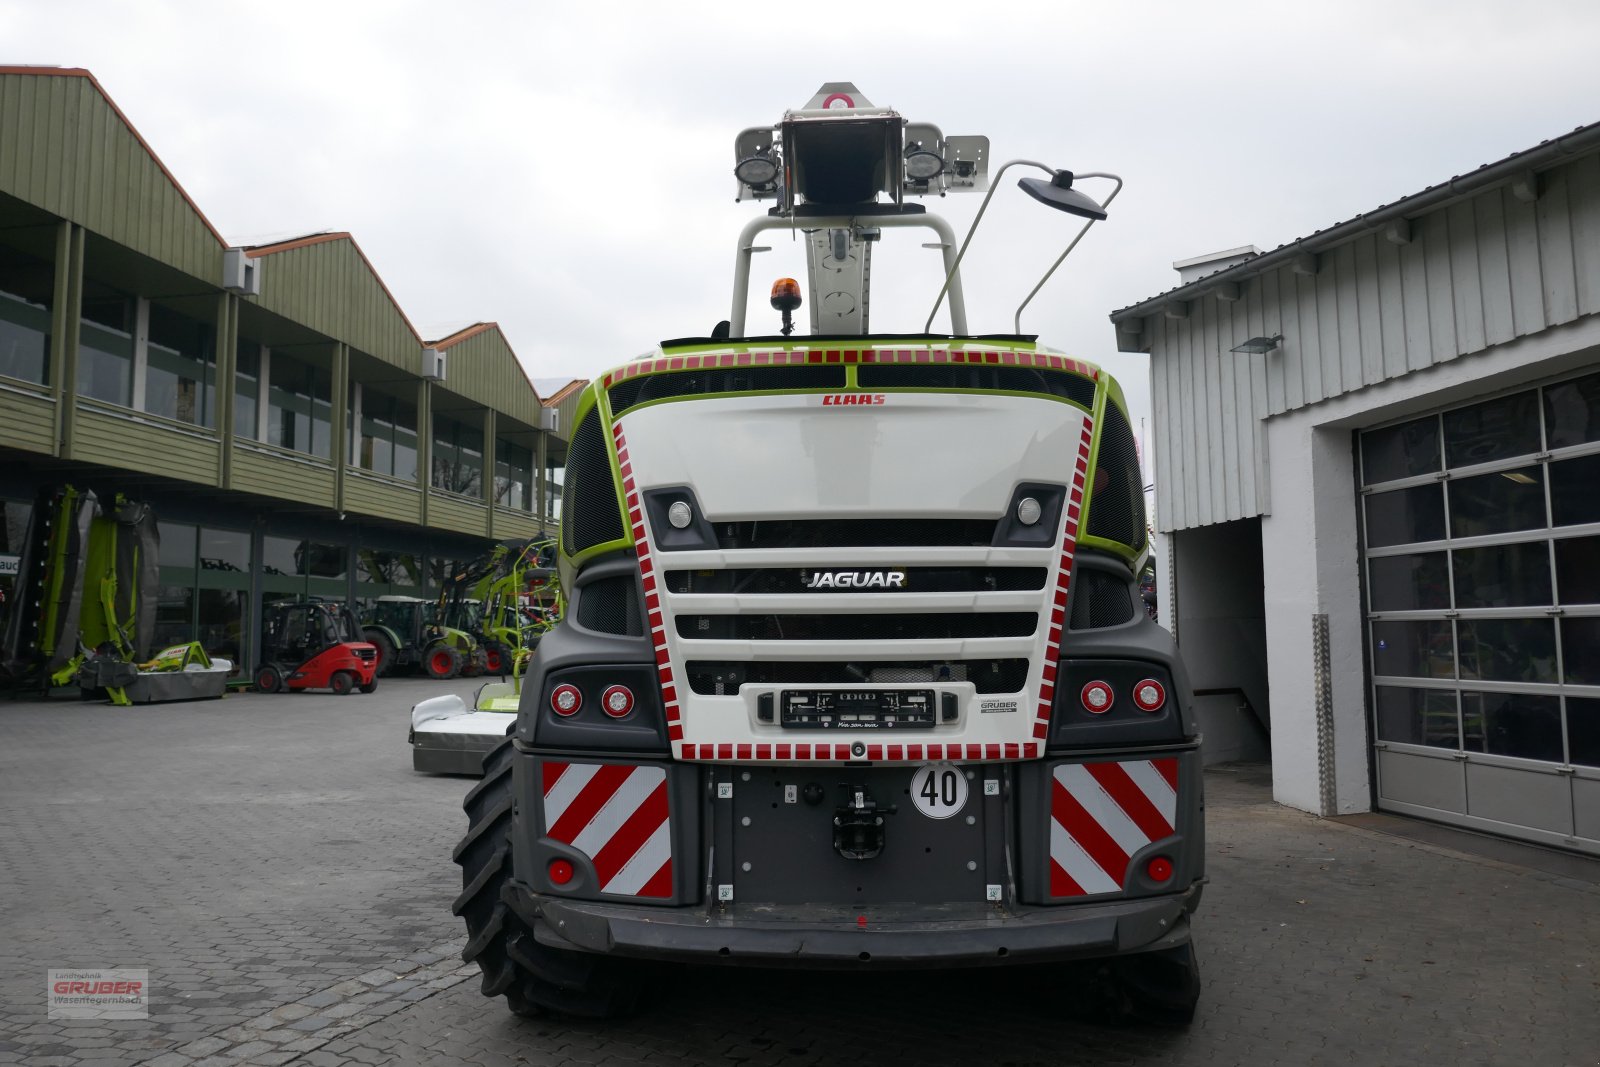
(442, 662)
(1160, 988)
(536, 980)
(495, 659)
(343, 683)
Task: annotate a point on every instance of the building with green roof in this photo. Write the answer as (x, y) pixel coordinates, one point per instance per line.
(295, 433)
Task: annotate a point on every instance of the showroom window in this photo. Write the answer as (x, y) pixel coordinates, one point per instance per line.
(1482, 556)
(105, 349)
(513, 475)
(180, 369)
(26, 286)
(246, 389)
(299, 405)
(457, 456)
(388, 438)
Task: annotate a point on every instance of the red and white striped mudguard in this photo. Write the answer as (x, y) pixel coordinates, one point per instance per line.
(617, 815)
(1101, 814)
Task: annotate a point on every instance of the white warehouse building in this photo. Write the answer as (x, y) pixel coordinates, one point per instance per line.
(1377, 467)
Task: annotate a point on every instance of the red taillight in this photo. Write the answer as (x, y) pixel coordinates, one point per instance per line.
(566, 700)
(1159, 869)
(1150, 695)
(561, 872)
(617, 701)
(1097, 698)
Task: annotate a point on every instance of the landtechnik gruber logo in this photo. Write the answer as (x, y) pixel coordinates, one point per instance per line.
(97, 993)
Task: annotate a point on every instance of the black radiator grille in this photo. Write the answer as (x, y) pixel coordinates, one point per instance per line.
(712, 678)
(971, 378)
(589, 512)
(1116, 510)
(611, 606)
(855, 533)
(755, 581)
(1100, 600)
(636, 391)
(911, 626)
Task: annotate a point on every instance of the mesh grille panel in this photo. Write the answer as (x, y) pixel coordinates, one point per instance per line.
(987, 676)
(1116, 511)
(589, 512)
(976, 379)
(908, 626)
(917, 580)
(611, 606)
(855, 533)
(634, 391)
(1099, 600)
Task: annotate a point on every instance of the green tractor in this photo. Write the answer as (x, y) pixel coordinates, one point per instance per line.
(407, 632)
(490, 599)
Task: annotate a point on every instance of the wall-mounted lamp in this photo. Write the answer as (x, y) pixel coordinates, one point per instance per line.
(1258, 345)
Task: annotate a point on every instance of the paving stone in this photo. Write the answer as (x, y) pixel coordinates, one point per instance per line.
(289, 893)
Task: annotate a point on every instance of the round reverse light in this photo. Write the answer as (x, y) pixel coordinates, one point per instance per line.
(1028, 511)
(566, 700)
(756, 171)
(1097, 698)
(923, 164)
(1159, 869)
(1150, 695)
(617, 701)
(680, 514)
(561, 872)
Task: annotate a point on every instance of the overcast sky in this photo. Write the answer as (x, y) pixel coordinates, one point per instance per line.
(566, 169)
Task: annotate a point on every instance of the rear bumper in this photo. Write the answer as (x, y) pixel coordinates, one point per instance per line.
(826, 938)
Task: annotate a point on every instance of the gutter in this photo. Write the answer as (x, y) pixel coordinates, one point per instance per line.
(1544, 154)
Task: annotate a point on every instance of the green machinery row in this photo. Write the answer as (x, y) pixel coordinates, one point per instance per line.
(83, 607)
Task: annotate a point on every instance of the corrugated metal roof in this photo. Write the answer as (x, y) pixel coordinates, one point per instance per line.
(1555, 149)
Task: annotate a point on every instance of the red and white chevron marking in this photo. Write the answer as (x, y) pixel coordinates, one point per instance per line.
(785, 752)
(652, 594)
(616, 814)
(1058, 607)
(790, 357)
(1101, 814)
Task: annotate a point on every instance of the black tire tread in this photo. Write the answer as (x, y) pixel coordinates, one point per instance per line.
(534, 979)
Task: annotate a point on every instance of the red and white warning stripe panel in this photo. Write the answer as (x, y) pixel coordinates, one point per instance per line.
(789, 752)
(782, 357)
(1103, 813)
(1058, 606)
(617, 815)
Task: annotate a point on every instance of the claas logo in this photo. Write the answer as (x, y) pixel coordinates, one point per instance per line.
(835, 399)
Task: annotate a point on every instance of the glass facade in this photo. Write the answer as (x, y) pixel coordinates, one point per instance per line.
(24, 333)
(181, 369)
(105, 349)
(247, 390)
(513, 475)
(1482, 536)
(205, 590)
(457, 456)
(388, 439)
(299, 405)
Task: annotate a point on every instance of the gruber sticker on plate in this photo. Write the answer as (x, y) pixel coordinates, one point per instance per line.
(939, 790)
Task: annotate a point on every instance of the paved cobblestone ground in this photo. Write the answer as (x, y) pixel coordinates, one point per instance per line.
(285, 878)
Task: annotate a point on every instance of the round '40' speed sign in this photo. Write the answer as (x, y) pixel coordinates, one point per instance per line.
(939, 790)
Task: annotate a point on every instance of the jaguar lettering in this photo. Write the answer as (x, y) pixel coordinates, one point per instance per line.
(854, 579)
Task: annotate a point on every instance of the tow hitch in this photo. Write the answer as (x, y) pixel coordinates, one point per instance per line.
(858, 829)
